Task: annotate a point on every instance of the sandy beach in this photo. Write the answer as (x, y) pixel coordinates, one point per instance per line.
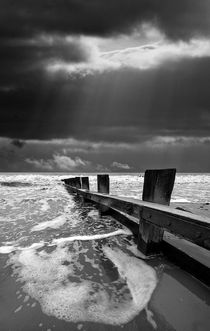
(202, 208)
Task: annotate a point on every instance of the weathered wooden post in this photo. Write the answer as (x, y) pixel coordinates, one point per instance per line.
(103, 183)
(77, 182)
(158, 186)
(103, 187)
(85, 183)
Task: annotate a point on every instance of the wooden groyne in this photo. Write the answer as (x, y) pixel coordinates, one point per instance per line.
(152, 214)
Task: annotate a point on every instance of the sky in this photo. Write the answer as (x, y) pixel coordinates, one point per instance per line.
(104, 85)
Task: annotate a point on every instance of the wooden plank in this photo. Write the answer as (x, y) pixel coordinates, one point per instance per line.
(103, 183)
(193, 227)
(183, 225)
(191, 264)
(158, 185)
(196, 252)
(85, 183)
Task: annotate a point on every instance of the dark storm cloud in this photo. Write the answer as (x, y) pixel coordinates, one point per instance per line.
(173, 98)
(21, 58)
(178, 19)
(120, 105)
(26, 92)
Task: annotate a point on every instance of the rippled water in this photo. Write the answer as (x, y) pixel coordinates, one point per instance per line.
(65, 267)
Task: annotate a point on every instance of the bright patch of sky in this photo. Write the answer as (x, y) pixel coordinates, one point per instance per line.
(143, 49)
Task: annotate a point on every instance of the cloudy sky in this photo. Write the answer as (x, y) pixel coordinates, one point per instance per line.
(101, 85)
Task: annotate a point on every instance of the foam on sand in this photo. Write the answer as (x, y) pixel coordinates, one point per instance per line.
(133, 249)
(92, 237)
(141, 278)
(53, 224)
(47, 278)
(93, 214)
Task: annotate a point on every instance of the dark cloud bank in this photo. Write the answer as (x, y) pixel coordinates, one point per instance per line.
(125, 105)
(178, 19)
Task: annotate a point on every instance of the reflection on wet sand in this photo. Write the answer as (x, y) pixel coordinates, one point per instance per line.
(177, 305)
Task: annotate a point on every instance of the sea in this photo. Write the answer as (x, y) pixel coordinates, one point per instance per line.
(64, 266)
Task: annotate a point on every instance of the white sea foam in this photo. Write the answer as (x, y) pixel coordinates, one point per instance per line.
(93, 213)
(140, 277)
(46, 279)
(133, 249)
(33, 246)
(6, 219)
(179, 200)
(2, 219)
(150, 318)
(92, 237)
(6, 249)
(64, 240)
(54, 224)
(45, 205)
(18, 309)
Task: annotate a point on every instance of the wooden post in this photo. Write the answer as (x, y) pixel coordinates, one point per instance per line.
(158, 186)
(85, 183)
(103, 187)
(77, 182)
(150, 238)
(103, 183)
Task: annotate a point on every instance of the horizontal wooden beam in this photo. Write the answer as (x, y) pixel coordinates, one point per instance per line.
(193, 227)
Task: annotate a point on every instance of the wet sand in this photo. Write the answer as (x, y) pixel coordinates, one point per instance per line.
(195, 208)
